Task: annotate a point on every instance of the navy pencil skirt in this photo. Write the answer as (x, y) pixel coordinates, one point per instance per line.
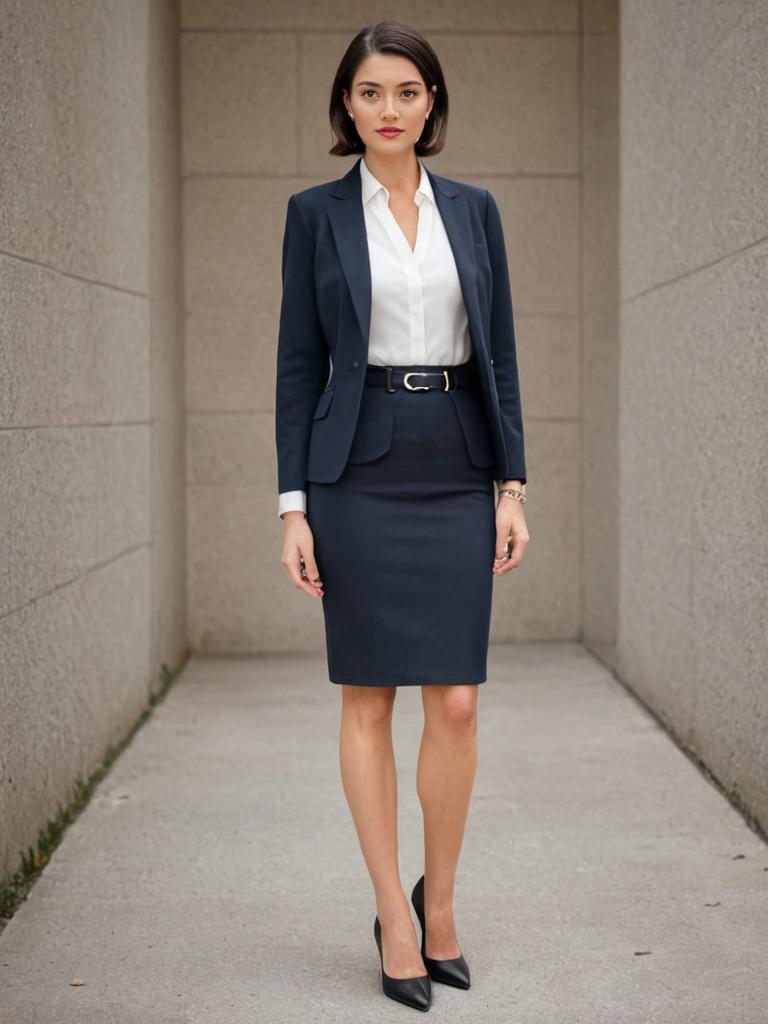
(405, 538)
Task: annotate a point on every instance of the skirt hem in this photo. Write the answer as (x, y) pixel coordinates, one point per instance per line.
(360, 679)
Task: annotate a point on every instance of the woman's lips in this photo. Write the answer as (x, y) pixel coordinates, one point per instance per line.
(390, 132)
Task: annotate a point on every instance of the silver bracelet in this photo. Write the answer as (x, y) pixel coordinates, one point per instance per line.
(513, 493)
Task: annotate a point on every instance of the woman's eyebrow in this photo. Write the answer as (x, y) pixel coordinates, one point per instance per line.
(378, 84)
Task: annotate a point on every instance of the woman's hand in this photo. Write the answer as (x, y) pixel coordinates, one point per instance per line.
(510, 527)
(299, 554)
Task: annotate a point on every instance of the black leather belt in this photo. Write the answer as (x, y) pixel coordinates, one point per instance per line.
(438, 378)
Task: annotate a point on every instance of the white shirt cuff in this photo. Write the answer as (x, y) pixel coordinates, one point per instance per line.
(292, 501)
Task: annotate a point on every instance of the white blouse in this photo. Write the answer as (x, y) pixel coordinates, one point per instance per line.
(417, 309)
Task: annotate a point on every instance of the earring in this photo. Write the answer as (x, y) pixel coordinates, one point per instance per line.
(351, 115)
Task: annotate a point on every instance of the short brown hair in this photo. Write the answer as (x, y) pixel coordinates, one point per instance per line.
(388, 37)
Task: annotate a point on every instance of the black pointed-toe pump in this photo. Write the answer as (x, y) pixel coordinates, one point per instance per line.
(450, 972)
(415, 991)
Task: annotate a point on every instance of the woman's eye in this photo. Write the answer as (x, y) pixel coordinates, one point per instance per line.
(366, 91)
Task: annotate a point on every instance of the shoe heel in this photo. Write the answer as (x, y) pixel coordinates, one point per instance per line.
(415, 991)
(449, 972)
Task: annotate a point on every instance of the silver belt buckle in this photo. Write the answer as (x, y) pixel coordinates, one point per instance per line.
(423, 373)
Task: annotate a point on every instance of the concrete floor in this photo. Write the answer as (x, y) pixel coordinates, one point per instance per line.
(215, 878)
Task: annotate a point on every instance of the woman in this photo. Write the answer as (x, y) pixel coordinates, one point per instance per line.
(397, 407)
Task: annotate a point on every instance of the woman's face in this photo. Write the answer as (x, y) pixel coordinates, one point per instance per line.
(388, 91)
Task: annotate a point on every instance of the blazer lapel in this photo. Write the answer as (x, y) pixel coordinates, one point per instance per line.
(458, 226)
(348, 224)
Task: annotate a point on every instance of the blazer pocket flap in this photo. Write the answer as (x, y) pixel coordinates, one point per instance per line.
(323, 404)
(474, 426)
(375, 423)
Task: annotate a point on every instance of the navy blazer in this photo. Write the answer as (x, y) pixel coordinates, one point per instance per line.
(325, 315)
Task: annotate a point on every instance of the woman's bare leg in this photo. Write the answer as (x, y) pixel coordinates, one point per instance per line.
(369, 778)
(445, 776)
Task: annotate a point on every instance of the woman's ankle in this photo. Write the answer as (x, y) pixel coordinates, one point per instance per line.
(393, 909)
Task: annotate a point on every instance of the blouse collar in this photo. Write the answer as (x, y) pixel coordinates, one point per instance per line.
(371, 185)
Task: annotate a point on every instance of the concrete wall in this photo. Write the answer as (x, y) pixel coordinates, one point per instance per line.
(599, 469)
(92, 536)
(693, 442)
(256, 81)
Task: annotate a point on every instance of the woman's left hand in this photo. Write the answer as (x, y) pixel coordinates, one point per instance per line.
(510, 530)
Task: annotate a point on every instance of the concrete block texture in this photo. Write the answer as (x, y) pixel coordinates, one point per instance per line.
(239, 102)
(92, 545)
(693, 434)
(309, 16)
(74, 668)
(166, 340)
(75, 143)
(599, 366)
(693, 538)
(79, 497)
(73, 351)
(693, 159)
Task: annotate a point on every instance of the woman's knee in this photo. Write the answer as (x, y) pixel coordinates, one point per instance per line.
(453, 706)
(369, 706)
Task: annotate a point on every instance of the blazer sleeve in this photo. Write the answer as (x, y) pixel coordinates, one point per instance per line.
(303, 357)
(503, 348)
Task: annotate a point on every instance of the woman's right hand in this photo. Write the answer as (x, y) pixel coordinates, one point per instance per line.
(299, 553)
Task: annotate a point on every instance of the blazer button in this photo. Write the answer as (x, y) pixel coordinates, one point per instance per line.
(491, 362)
(356, 363)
